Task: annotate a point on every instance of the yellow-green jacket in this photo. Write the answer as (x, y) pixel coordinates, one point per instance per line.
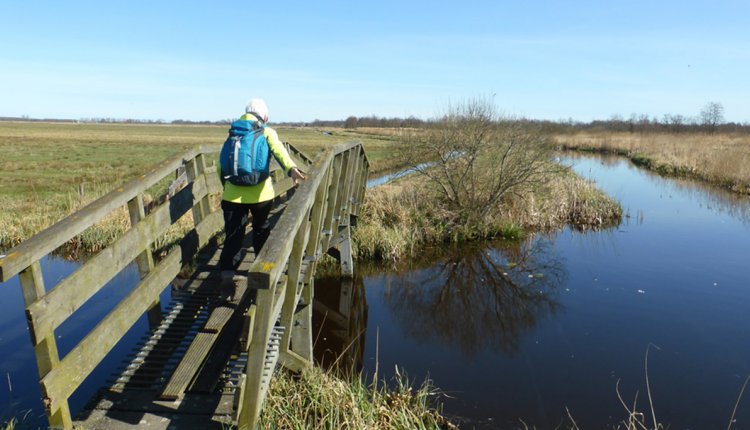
(263, 191)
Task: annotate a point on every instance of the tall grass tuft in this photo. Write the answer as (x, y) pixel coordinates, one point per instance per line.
(317, 399)
(399, 219)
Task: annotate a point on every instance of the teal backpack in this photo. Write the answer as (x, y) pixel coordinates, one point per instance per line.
(244, 158)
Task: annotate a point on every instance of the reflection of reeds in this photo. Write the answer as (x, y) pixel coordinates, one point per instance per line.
(722, 159)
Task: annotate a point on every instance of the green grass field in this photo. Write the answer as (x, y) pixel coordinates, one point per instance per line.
(44, 165)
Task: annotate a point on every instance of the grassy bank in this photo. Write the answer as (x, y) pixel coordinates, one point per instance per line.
(318, 400)
(720, 159)
(400, 218)
(49, 170)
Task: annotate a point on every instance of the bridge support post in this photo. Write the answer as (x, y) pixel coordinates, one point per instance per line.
(47, 357)
(145, 260)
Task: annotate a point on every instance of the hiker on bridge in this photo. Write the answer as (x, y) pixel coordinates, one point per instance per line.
(244, 172)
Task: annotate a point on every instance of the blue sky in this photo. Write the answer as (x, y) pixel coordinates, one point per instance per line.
(328, 60)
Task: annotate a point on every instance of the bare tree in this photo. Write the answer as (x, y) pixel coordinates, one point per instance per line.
(479, 158)
(712, 115)
(351, 122)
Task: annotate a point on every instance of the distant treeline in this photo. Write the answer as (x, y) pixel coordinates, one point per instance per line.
(709, 120)
(637, 124)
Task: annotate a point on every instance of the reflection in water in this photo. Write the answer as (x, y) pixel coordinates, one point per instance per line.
(479, 296)
(340, 323)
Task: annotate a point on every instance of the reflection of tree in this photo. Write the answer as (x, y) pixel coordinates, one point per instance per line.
(340, 323)
(479, 297)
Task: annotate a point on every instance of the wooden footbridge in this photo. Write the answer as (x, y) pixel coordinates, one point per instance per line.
(207, 361)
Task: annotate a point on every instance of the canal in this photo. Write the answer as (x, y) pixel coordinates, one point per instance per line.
(529, 333)
(521, 334)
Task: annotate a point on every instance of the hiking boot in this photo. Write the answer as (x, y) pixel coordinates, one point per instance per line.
(228, 286)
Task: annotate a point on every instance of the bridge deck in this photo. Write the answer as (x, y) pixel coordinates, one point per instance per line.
(185, 373)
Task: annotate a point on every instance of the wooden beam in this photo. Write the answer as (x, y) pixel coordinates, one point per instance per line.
(72, 292)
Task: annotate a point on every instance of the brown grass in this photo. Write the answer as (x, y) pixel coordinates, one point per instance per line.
(722, 159)
(400, 218)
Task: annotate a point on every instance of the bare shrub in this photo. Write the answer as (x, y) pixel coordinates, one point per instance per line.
(477, 158)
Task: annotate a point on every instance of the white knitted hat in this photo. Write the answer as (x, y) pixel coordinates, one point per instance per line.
(257, 106)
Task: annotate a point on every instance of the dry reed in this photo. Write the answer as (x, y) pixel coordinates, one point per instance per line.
(722, 159)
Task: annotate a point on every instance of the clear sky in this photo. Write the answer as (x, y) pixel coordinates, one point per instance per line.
(202, 60)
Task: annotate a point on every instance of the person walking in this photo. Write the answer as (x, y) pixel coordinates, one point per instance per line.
(257, 200)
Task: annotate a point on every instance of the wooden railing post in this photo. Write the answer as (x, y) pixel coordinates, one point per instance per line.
(298, 321)
(346, 206)
(253, 393)
(47, 357)
(145, 260)
(194, 167)
(317, 219)
(333, 191)
(205, 202)
(360, 185)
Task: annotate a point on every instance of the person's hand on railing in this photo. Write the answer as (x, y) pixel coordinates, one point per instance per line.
(297, 175)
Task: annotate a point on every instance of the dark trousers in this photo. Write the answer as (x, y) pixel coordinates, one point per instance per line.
(235, 222)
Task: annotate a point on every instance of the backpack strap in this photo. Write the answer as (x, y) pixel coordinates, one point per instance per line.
(262, 121)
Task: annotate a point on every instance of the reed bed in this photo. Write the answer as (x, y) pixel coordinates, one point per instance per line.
(720, 159)
(399, 219)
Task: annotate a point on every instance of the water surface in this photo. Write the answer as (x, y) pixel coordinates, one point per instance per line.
(523, 332)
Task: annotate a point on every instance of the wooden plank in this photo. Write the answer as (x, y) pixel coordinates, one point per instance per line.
(45, 352)
(63, 380)
(71, 293)
(189, 365)
(53, 237)
(221, 313)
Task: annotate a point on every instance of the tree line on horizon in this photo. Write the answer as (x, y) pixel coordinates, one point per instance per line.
(709, 120)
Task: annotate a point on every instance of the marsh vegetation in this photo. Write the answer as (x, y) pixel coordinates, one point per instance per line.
(722, 159)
